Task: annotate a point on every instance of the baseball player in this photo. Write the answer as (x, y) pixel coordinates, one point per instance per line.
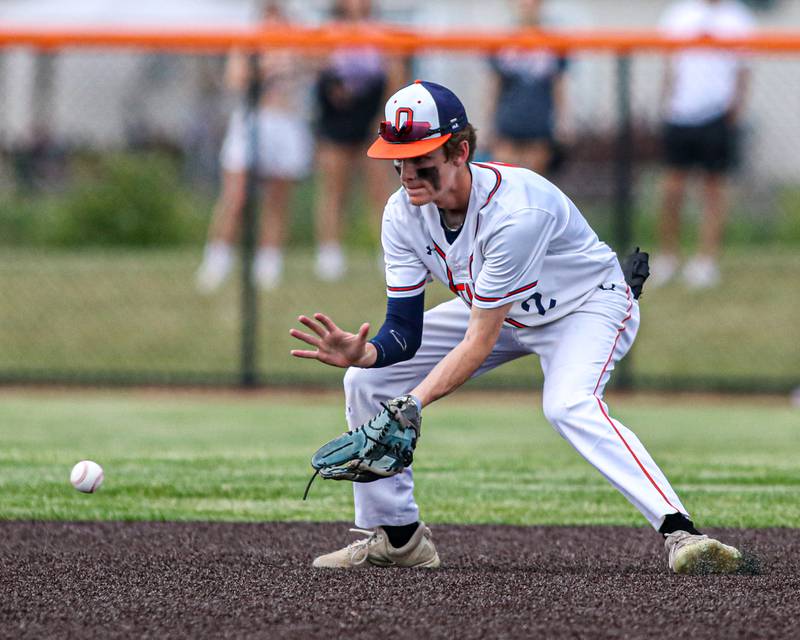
(528, 275)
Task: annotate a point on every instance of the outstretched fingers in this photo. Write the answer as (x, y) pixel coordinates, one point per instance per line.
(314, 342)
(312, 325)
(326, 322)
(299, 353)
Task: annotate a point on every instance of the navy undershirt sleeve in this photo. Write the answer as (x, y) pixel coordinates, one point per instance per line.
(401, 333)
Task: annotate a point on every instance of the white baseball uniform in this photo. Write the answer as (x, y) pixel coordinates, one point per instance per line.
(523, 241)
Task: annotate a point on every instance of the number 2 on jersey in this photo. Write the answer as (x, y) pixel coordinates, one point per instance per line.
(537, 300)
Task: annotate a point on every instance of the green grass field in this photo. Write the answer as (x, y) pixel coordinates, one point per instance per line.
(482, 459)
(137, 311)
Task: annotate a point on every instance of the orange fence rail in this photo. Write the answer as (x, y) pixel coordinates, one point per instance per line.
(385, 37)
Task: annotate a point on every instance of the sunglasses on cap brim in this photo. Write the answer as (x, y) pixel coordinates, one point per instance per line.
(408, 132)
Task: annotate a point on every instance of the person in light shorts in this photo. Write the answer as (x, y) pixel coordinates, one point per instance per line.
(284, 155)
(285, 146)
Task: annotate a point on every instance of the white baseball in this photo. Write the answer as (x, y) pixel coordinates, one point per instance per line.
(86, 476)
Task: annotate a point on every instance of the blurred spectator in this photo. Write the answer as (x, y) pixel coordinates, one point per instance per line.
(39, 161)
(529, 98)
(703, 95)
(351, 92)
(39, 157)
(206, 123)
(284, 152)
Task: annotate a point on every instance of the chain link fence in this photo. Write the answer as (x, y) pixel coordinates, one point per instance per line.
(109, 171)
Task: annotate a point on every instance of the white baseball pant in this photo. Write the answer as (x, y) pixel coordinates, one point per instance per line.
(577, 354)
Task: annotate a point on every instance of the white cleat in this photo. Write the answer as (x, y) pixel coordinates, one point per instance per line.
(701, 272)
(330, 264)
(700, 555)
(663, 269)
(216, 267)
(210, 277)
(268, 269)
(375, 551)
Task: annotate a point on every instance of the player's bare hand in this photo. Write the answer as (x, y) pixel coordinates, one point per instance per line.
(333, 345)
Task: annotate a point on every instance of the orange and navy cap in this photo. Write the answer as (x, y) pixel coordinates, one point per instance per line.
(419, 118)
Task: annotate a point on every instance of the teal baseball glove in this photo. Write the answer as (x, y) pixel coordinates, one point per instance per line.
(381, 447)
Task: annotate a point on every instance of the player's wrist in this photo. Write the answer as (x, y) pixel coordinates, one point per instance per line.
(368, 358)
(421, 397)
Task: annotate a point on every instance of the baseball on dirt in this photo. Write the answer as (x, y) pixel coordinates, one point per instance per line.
(86, 476)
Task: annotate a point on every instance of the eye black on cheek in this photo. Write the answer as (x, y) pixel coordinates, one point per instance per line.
(430, 175)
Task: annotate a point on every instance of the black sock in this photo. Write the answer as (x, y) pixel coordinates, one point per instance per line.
(399, 536)
(678, 522)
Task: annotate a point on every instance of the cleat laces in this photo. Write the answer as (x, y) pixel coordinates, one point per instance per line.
(359, 550)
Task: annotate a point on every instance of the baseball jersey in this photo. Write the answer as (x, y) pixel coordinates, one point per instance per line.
(522, 241)
(704, 80)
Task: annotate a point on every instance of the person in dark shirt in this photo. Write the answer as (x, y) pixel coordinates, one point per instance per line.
(530, 99)
(350, 92)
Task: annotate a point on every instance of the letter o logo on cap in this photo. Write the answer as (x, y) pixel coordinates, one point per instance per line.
(399, 120)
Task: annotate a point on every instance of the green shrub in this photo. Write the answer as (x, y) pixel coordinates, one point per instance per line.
(20, 221)
(126, 199)
(788, 228)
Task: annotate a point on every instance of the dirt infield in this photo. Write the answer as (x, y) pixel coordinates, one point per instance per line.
(116, 579)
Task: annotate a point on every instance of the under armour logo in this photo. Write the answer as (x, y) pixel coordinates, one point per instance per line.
(429, 250)
(605, 288)
(537, 300)
(399, 339)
